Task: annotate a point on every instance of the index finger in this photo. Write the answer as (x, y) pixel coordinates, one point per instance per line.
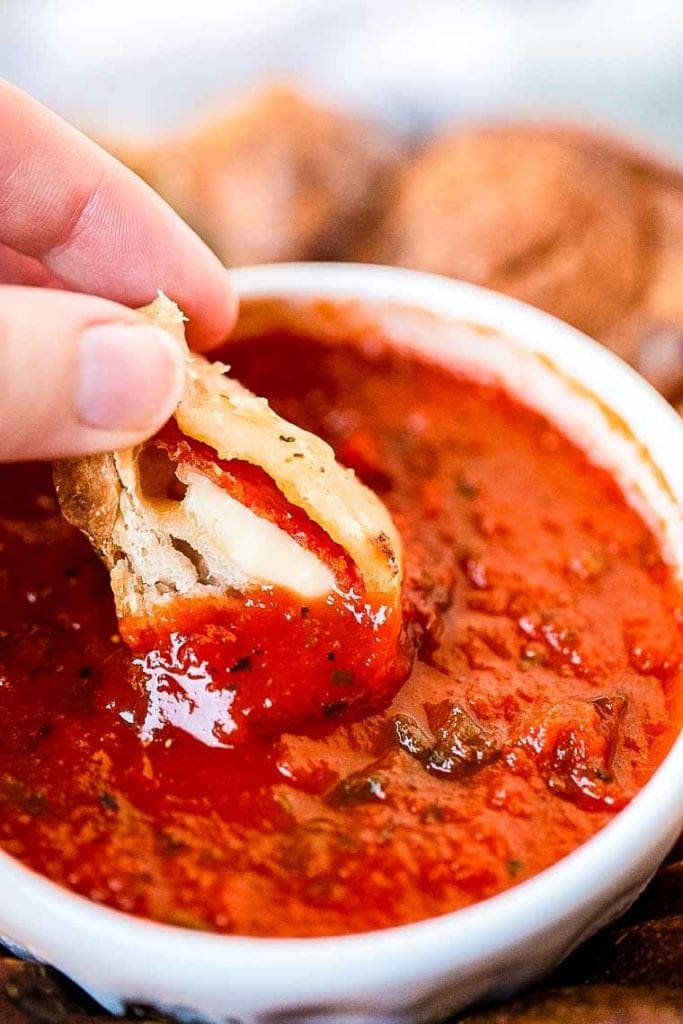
(96, 226)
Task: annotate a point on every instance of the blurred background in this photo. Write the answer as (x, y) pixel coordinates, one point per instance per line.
(144, 65)
(486, 140)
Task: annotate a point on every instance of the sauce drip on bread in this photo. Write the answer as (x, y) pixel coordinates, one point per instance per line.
(234, 537)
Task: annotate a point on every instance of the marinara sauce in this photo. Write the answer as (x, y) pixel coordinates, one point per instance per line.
(546, 633)
(351, 654)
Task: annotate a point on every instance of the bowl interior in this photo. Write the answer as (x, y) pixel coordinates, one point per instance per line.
(562, 375)
(624, 425)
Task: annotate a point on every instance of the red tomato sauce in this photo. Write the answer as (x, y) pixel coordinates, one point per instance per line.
(235, 666)
(547, 634)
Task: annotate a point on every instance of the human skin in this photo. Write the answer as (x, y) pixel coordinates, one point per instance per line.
(83, 242)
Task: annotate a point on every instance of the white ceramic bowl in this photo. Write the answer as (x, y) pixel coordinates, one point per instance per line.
(417, 972)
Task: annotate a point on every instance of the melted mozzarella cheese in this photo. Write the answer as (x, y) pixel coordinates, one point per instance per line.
(257, 548)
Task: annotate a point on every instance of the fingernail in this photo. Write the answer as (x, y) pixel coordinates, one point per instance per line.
(129, 376)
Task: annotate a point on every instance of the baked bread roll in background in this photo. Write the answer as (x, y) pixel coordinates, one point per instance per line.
(525, 215)
(574, 221)
(276, 175)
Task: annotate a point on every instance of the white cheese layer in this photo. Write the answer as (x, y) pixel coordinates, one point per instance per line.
(227, 532)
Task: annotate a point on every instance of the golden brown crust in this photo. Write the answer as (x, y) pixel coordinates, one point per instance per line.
(520, 213)
(220, 412)
(280, 176)
(575, 221)
(273, 176)
(88, 492)
(156, 547)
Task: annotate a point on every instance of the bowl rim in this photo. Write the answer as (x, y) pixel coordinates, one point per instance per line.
(136, 948)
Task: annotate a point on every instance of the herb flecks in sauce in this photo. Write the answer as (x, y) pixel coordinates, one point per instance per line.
(548, 660)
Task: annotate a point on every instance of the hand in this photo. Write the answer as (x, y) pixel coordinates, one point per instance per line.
(82, 373)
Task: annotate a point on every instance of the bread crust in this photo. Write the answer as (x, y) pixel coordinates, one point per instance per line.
(140, 539)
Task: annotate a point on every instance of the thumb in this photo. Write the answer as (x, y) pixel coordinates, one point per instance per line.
(80, 374)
